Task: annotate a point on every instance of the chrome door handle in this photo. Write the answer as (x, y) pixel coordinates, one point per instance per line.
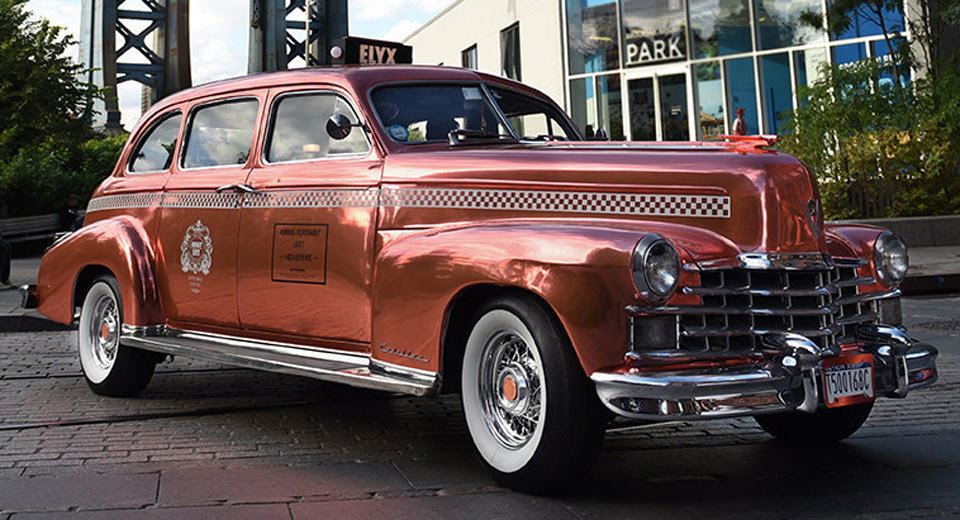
(239, 188)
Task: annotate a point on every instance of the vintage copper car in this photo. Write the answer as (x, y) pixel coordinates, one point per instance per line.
(427, 229)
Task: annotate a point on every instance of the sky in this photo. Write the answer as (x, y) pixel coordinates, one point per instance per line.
(218, 34)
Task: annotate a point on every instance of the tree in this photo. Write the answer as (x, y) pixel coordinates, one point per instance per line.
(40, 93)
(841, 14)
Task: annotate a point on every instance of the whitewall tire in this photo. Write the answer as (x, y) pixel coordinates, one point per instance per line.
(109, 367)
(532, 414)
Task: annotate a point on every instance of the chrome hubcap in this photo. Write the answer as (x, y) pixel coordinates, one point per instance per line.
(103, 332)
(510, 389)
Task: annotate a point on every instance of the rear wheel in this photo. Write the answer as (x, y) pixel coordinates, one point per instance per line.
(826, 425)
(531, 412)
(109, 367)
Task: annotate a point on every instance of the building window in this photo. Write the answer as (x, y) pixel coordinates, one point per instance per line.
(592, 38)
(741, 93)
(777, 94)
(510, 52)
(720, 27)
(850, 53)
(583, 106)
(806, 68)
(469, 58)
(653, 31)
(865, 22)
(611, 111)
(643, 109)
(779, 25)
(709, 100)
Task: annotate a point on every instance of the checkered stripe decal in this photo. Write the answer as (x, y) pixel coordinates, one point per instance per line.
(561, 201)
(649, 204)
(125, 201)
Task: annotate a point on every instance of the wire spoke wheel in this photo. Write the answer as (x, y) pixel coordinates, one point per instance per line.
(511, 388)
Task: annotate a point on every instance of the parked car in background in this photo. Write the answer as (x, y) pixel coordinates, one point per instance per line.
(431, 229)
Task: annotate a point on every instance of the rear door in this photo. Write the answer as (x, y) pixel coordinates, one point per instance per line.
(201, 211)
(307, 235)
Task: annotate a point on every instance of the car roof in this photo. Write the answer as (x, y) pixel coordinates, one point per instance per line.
(359, 77)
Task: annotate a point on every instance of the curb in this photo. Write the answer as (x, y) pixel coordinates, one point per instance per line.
(29, 323)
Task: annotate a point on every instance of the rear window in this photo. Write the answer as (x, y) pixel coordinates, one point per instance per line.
(155, 150)
(221, 134)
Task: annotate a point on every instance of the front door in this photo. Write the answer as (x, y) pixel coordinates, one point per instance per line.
(658, 104)
(307, 234)
(200, 214)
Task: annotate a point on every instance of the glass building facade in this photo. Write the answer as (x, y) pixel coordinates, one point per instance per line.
(682, 69)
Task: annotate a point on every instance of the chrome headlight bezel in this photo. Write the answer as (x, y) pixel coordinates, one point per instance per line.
(655, 268)
(891, 261)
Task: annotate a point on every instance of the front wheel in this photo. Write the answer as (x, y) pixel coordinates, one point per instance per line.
(824, 426)
(109, 367)
(532, 413)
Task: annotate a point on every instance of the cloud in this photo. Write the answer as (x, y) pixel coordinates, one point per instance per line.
(381, 9)
(401, 30)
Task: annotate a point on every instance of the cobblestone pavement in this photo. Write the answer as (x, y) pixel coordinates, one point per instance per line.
(206, 441)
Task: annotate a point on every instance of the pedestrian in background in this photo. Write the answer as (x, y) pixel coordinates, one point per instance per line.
(6, 251)
(70, 217)
(739, 125)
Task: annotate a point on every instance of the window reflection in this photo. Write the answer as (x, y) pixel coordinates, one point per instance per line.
(776, 90)
(850, 53)
(611, 114)
(592, 35)
(864, 22)
(709, 99)
(881, 51)
(720, 27)
(643, 115)
(741, 92)
(653, 31)
(806, 66)
(778, 23)
(583, 106)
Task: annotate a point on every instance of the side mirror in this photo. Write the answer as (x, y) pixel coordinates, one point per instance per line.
(339, 126)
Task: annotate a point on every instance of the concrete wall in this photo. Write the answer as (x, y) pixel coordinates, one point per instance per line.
(920, 231)
(469, 22)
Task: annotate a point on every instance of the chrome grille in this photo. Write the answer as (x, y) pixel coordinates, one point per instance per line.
(739, 305)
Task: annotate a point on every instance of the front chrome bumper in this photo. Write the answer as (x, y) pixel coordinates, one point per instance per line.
(785, 376)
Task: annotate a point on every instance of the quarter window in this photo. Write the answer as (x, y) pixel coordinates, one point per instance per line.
(155, 151)
(299, 129)
(221, 134)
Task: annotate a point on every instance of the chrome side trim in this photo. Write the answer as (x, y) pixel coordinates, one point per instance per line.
(353, 369)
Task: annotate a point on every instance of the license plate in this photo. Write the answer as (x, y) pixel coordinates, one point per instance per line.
(848, 380)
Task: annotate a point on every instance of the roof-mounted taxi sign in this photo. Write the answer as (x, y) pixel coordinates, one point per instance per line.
(352, 50)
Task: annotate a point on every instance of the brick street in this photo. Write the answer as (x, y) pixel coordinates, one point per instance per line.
(206, 441)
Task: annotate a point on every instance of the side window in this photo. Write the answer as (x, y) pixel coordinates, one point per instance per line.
(154, 153)
(221, 134)
(299, 130)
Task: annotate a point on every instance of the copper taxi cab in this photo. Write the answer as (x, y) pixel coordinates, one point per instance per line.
(425, 229)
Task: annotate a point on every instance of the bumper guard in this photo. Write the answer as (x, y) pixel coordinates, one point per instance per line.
(786, 377)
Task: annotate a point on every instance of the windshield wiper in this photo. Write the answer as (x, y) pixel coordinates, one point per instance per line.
(457, 135)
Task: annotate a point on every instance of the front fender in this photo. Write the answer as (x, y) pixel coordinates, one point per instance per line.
(856, 241)
(581, 269)
(118, 244)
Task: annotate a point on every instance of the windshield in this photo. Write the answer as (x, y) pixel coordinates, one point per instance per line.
(413, 114)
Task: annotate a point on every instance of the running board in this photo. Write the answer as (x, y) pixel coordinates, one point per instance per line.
(349, 368)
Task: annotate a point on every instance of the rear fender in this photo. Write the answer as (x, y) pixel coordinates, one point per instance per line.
(118, 245)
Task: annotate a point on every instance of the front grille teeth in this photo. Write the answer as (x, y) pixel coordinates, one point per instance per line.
(739, 306)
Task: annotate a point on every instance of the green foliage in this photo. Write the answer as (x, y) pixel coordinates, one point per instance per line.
(40, 94)
(40, 177)
(878, 149)
(47, 152)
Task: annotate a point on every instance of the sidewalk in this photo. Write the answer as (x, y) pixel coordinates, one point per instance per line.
(932, 270)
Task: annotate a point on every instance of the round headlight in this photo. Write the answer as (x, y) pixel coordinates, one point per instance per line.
(890, 255)
(656, 267)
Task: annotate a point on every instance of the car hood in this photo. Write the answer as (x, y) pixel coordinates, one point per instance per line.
(773, 200)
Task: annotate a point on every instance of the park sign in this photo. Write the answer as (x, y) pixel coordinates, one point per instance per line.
(365, 51)
(660, 47)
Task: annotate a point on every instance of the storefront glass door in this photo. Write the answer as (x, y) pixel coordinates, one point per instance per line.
(658, 106)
